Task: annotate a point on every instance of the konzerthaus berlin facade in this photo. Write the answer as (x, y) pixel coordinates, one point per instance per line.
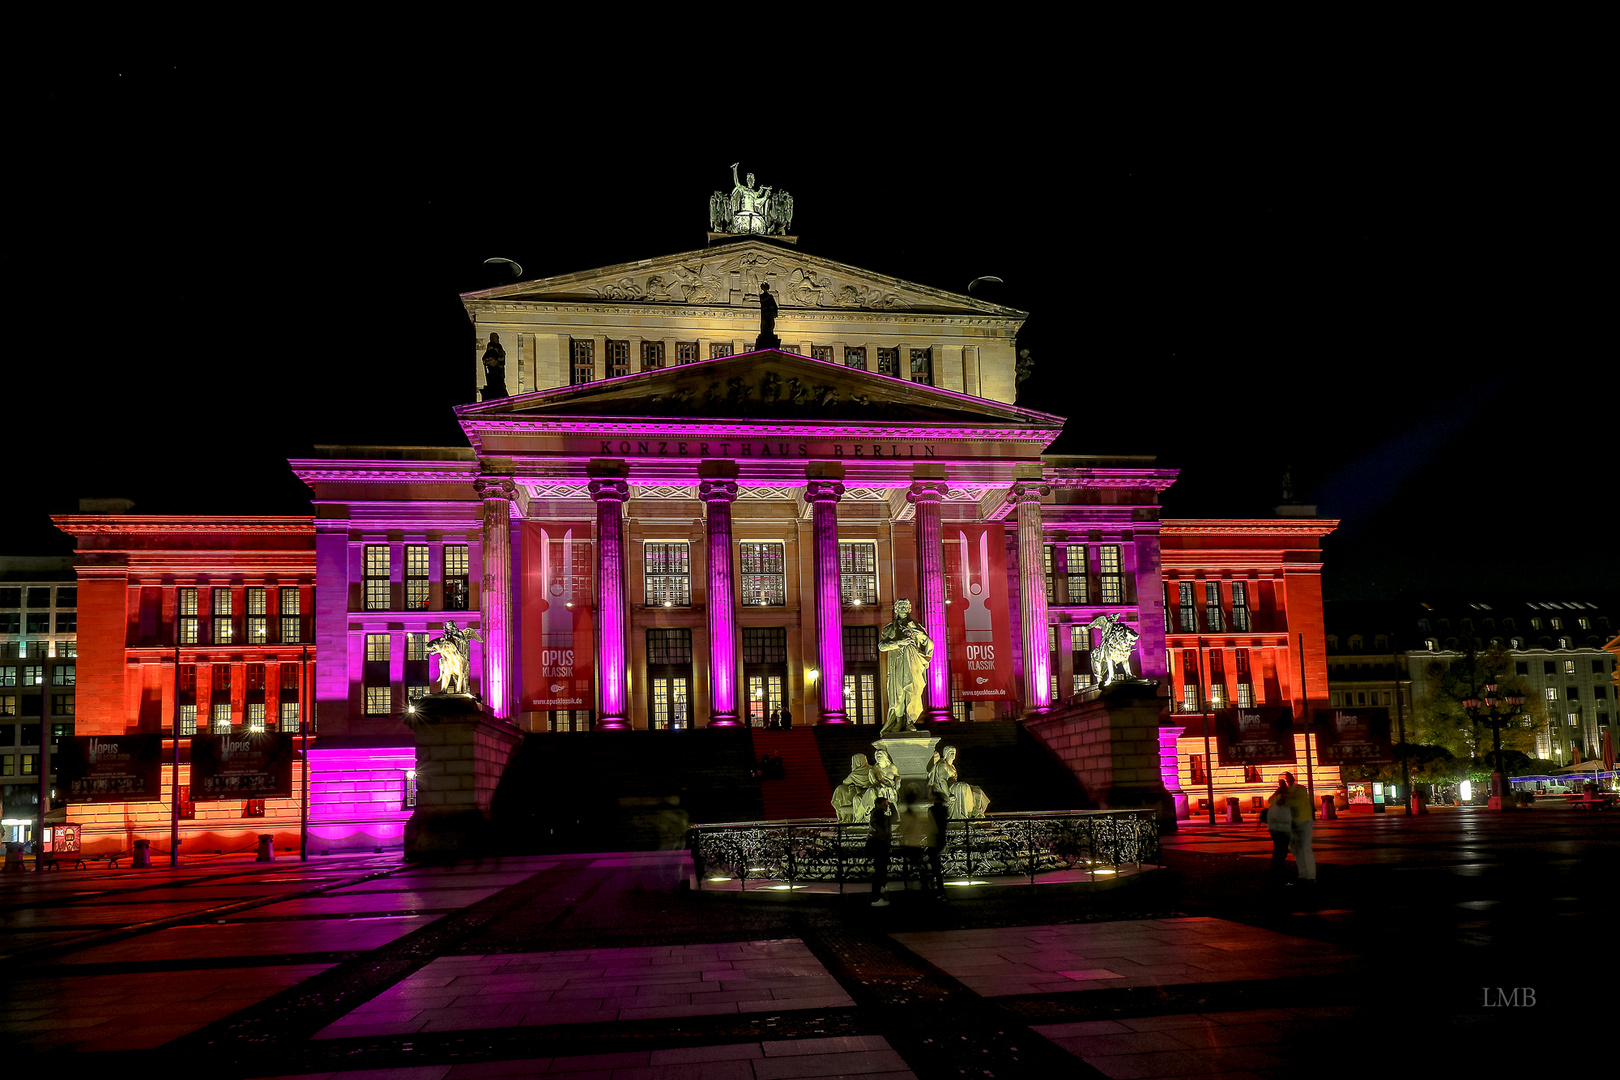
(660, 524)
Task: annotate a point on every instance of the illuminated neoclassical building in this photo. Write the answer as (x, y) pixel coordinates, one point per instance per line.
(667, 516)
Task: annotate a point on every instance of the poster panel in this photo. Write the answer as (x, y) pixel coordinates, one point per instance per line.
(109, 768)
(1255, 736)
(1352, 736)
(558, 656)
(241, 765)
(978, 618)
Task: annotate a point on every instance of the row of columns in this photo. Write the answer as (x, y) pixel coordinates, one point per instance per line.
(613, 607)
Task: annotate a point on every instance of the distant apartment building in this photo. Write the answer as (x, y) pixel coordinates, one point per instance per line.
(39, 615)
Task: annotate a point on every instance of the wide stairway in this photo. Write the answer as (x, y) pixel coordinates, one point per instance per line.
(804, 790)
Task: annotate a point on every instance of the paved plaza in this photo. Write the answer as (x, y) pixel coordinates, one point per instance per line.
(1403, 956)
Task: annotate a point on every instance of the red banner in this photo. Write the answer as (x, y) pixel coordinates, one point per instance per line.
(558, 656)
(978, 619)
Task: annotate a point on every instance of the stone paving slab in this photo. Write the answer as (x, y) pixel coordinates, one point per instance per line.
(1004, 961)
(597, 985)
(205, 941)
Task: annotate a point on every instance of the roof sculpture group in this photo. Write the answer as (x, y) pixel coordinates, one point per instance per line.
(750, 210)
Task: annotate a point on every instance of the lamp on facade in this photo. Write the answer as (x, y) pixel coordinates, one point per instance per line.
(1496, 710)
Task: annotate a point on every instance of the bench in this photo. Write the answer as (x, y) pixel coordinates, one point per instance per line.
(1600, 801)
(83, 861)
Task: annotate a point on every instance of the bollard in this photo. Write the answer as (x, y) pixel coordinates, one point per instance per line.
(267, 850)
(1420, 805)
(1330, 810)
(14, 860)
(143, 855)
(1234, 812)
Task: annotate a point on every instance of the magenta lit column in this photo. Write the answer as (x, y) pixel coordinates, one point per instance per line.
(1032, 596)
(612, 604)
(495, 604)
(823, 496)
(717, 496)
(926, 495)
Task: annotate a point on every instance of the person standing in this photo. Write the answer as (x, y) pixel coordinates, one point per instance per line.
(787, 718)
(1298, 801)
(1279, 821)
(940, 812)
(877, 845)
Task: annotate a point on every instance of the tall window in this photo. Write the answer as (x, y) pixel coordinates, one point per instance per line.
(255, 717)
(456, 592)
(378, 700)
(219, 718)
(855, 357)
(1245, 681)
(1212, 607)
(185, 631)
(764, 670)
(1048, 565)
(686, 352)
(1189, 611)
(379, 648)
(667, 573)
(888, 361)
(258, 619)
(1074, 558)
(289, 717)
(764, 574)
(669, 677)
(416, 577)
(1080, 658)
(224, 625)
(922, 366)
(582, 365)
(1240, 606)
(1110, 581)
(719, 349)
(857, 573)
(376, 577)
(861, 674)
(188, 719)
(618, 358)
(1217, 680)
(652, 355)
(291, 631)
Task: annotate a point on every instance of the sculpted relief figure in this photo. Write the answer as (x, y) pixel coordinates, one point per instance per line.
(748, 203)
(453, 647)
(909, 651)
(852, 800)
(965, 800)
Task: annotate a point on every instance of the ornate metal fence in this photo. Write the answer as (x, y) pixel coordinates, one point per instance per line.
(994, 846)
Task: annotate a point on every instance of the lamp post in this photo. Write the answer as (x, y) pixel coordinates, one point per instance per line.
(1496, 710)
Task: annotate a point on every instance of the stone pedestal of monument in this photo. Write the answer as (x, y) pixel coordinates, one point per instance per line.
(1112, 744)
(461, 753)
(911, 752)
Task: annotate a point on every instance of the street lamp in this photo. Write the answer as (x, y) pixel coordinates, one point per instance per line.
(1496, 710)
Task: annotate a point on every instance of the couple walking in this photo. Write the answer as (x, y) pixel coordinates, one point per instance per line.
(1288, 816)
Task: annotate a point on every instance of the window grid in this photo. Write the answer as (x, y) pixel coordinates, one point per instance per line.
(378, 700)
(188, 719)
(719, 349)
(821, 352)
(289, 717)
(922, 366)
(1110, 579)
(888, 361)
(224, 626)
(376, 577)
(186, 612)
(618, 358)
(416, 577)
(1212, 607)
(857, 573)
(255, 717)
(219, 719)
(378, 647)
(583, 363)
(667, 573)
(686, 352)
(652, 355)
(1074, 556)
(291, 626)
(764, 574)
(457, 594)
(416, 646)
(1240, 606)
(1047, 563)
(855, 357)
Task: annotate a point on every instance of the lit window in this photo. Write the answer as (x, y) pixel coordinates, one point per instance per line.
(457, 594)
(1212, 607)
(1240, 606)
(377, 700)
(224, 627)
(65, 675)
(1110, 579)
(667, 574)
(1074, 559)
(378, 646)
(1046, 554)
(219, 719)
(186, 612)
(291, 625)
(416, 577)
(188, 719)
(857, 573)
(416, 646)
(764, 578)
(376, 577)
(255, 717)
(289, 717)
(258, 621)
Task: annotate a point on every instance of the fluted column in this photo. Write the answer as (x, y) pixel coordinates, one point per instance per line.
(1032, 596)
(495, 606)
(926, 496)
(612, 604)
(717, 495)
(823, 496)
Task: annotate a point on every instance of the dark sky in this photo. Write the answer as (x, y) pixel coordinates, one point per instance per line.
(1390, 290)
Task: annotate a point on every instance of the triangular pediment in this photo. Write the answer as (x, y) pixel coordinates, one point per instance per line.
(729, 275)
(765, 386)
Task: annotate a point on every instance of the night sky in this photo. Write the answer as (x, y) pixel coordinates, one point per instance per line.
(1391, 292)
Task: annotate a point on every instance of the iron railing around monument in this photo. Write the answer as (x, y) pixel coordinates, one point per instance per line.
(1000, 845)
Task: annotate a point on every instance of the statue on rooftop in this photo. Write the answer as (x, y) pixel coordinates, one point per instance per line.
(750, 210)
(494, 369)
(767, 320)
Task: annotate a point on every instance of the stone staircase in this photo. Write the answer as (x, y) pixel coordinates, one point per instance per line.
(805, 790)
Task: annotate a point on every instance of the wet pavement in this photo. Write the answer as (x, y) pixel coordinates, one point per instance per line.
(1457, 939)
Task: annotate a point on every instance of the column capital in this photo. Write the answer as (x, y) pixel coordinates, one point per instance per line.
(817, 491)
(609, 489)
(926, 491)
(495, 487)
(717, 491)
(1028, 491)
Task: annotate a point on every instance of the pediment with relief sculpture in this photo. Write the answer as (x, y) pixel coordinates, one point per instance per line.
(729, 275)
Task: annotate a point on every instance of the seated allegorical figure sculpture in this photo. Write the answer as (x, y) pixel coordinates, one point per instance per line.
(853, 799)
(910, 652)
(965, 800)
(885, 776)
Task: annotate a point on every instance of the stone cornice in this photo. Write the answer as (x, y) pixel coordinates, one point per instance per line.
(748, 317)
(372, 470)
(1156, 480)
(744, 430)
(1250, 526)
(159, 524)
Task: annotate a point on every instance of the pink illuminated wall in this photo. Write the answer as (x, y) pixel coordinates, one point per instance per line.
(357, 796)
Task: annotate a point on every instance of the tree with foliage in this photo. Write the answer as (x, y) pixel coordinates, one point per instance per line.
(1440, 719)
